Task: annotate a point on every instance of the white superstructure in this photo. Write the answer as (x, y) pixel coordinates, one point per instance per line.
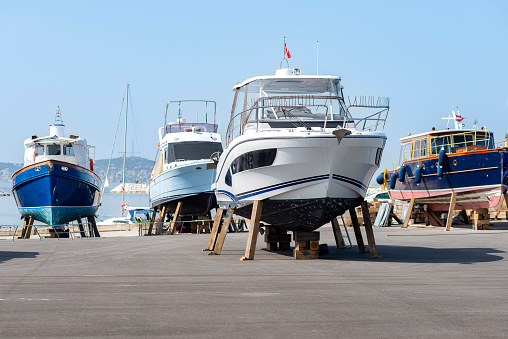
(294, 143)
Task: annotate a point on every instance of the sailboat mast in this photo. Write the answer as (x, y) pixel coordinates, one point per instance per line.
(125, 148)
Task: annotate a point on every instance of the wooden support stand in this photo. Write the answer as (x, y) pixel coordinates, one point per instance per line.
(27, 227)
(434, 218)
(93, 227)
(503, 198)
(358, 232)
(215, 230)
(223, 231)
(449, 218)
(306, 245)
(175, 218)
(152, 221)
(255, 218)
(162, 216)
(481, 219)
(277, 238)
(369, 231)
(81, 228)
(408, 214)
(339, 240)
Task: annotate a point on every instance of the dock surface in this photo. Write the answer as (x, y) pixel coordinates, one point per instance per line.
(428, 283)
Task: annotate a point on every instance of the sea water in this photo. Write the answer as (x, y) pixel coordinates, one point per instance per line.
(111, 205)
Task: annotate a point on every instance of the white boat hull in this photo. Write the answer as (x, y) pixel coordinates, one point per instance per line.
(312, 179)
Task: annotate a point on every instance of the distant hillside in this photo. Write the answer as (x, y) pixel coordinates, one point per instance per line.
(137, 170)
(7, 170)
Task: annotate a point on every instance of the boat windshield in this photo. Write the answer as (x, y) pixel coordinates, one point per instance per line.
(191, 150)
(293, 99)
(190, 127)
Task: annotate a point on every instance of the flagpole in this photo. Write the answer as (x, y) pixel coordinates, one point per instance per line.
(317, 57)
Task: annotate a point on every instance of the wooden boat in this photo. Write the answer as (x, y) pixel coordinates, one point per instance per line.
(436, 164)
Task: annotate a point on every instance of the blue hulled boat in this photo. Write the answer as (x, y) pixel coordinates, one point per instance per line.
(57, 183)
(435, 164)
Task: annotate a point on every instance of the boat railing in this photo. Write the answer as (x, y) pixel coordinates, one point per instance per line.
(430, 145)
(303, 116)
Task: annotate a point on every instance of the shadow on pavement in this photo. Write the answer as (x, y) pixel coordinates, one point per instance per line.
(8, 255)
(415, 254)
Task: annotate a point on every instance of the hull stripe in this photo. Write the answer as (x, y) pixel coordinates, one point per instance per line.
(253, 193)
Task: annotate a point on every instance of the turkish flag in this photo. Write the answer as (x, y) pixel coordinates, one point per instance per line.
(286, 51)
(459, 118)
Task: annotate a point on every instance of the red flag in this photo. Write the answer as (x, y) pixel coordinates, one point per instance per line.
(459, 118)
(286, 51)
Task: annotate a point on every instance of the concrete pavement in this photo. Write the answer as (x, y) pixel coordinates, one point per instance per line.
(429, 283)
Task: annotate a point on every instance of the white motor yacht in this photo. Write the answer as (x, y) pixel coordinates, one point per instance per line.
(293, 143)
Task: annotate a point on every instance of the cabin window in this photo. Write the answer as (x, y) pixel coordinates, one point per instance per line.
(53, 149)
(438, 142)
(254, 159)
(416, 149)
(423, 148)
(68, 149)
(228, 179)
(406, 150)
(39, 149)
(193, 150)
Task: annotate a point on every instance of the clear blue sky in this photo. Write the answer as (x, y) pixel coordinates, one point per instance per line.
(426, 56)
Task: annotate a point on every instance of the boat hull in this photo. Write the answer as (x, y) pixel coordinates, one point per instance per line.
(56, 192)
(478, 178)
(190, 184)
(313, 178)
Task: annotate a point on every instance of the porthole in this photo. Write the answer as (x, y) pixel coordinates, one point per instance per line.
(65, 168)
(37, 169)
(455, 162)
(423, 166)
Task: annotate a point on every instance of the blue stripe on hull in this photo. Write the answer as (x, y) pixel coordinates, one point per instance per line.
(54, 196)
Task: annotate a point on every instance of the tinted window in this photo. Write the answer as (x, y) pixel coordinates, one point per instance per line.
(227, 179)
(68, 149)
(39, 150)
(53, 149)
(192, 150)
(254, 159)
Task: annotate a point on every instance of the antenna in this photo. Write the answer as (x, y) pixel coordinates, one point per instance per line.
(317, 57)
(58, 116)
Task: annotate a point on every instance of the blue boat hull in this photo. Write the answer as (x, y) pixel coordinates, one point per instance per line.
(478, 178)
(55, 192)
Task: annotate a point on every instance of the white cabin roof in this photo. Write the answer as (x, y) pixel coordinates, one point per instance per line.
(288, 79)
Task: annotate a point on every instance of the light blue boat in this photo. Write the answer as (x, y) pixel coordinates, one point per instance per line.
(185, 166)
